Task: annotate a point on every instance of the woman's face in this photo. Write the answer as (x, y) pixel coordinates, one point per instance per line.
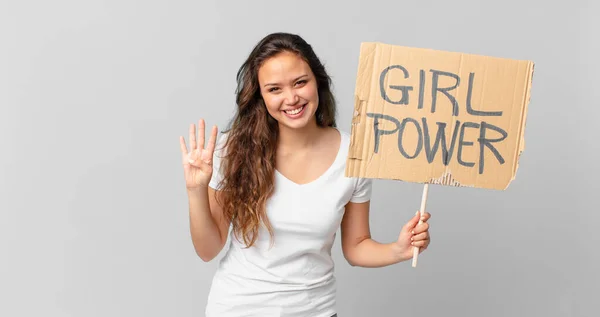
(289, 90)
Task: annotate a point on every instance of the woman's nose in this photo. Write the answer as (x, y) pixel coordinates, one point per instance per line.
(291, 97)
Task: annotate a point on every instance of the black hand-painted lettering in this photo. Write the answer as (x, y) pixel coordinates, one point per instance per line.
(462, 143)
(404, 89)
(379, 132)
(483, 141)
(421, 88)
(444, 90)
(470, 109)
(419, 136)
(440, 137)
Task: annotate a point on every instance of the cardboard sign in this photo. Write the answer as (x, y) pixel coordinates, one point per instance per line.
(436, 117)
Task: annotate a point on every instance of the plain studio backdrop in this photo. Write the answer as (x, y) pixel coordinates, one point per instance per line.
(95, 94)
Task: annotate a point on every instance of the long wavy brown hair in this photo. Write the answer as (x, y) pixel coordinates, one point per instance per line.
(248, 164)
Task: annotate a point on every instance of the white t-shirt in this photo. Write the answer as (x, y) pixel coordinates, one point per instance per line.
(294, 278)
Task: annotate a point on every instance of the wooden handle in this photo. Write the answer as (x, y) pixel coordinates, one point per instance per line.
(421, 211)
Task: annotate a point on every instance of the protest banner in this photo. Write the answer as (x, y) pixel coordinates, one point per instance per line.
(437, 117)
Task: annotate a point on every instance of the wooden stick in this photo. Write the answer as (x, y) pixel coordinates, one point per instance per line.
(421, 211)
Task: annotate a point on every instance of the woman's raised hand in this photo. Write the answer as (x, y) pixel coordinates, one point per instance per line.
(197, 162)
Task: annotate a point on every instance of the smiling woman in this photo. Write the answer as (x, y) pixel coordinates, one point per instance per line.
(276, 178)
(290, 93)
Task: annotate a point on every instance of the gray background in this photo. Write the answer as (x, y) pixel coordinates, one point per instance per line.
(94, 95)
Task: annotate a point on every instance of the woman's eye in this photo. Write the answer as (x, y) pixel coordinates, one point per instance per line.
(301, 82)
(273, 89)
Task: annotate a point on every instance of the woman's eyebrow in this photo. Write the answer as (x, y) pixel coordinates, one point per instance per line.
(273, 84)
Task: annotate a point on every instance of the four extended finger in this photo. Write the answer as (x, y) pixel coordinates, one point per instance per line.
(213, 140)
(192, 133)
(182, 146)
(201, 132)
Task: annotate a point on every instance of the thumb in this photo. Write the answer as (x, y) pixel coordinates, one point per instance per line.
(195, 159)
(413, 221)
(192, 157)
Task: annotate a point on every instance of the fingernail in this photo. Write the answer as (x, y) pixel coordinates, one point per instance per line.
(191, 161)
(416, 213)
(413, 232)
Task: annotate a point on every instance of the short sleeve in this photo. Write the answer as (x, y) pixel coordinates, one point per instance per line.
(217, 175)
(362, 190)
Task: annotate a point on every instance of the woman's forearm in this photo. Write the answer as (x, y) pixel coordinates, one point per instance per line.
(203, 227)
(370, 253)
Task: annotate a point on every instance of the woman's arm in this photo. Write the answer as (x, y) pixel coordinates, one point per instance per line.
(360, 250)
(208, 226)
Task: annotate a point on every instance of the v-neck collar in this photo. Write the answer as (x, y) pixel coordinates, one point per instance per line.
(328, 171)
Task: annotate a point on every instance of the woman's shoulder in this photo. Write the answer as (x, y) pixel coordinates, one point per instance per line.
(219, 151)
(344, 134)
(345, 138)
(221, 140)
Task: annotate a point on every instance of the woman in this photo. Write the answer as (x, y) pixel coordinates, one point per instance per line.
(276, 179)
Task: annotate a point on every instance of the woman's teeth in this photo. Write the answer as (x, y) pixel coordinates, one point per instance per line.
(295, 111)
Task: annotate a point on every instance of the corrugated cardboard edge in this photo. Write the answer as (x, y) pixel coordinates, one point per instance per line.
(525, 104)
(447, 179)
(358, 146)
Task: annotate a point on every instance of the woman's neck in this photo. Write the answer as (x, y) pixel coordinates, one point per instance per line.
(292, 140)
